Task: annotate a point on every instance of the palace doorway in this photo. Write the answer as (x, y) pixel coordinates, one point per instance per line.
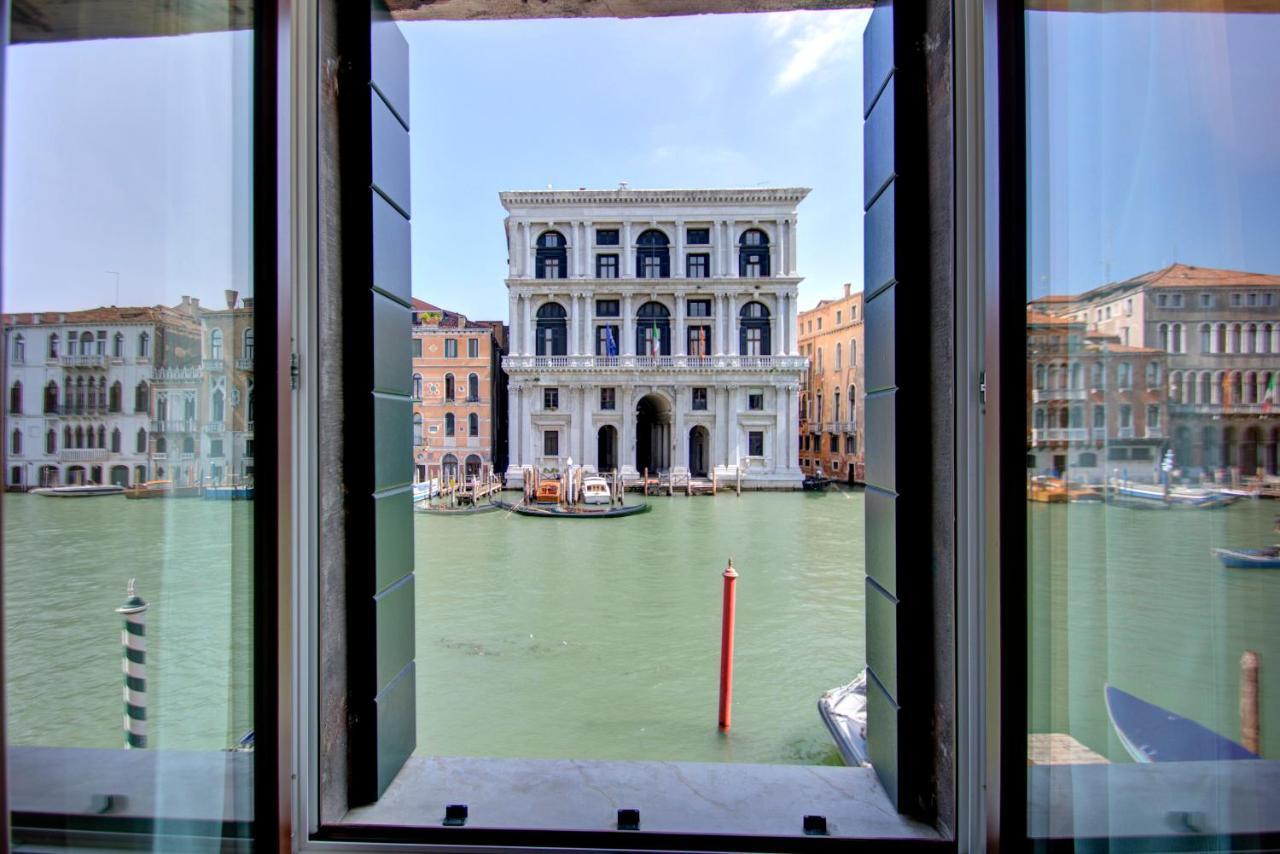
(607, 448)
(699, 451)
(653, 434)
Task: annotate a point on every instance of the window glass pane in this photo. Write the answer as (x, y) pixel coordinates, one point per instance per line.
(129, 470)
(1149, 608)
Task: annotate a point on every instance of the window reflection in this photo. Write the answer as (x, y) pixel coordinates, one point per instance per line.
(1150, 273)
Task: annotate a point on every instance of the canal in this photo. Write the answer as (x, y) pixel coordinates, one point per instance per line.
(599, 639)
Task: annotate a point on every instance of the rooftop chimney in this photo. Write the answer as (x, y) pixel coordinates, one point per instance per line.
(847, 286)
(247, 302)
(232, 296)
(622, 185)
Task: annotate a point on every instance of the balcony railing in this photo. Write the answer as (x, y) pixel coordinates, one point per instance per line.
(184, 425)
(1060, 434)
(160, 456)
(1220, 409)
(82, 455)
(243, 364)
(215, 365)
(90, 361)
(176, 375)
(1099, 434)
(1040, 395)
(1124, 433)
(1154, 433)
(94, 411)
(659, 363)
(215, 427)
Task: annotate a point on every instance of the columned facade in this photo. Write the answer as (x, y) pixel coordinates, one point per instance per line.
(666, 343)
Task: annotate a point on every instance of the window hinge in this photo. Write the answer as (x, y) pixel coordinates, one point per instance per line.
(982, 387)
(293, 371)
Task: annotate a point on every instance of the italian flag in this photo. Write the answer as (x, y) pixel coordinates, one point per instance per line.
(1269, 394)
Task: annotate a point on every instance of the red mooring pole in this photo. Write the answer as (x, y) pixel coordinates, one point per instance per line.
(726, 645)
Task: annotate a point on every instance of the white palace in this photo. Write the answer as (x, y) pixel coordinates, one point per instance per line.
(655, 330)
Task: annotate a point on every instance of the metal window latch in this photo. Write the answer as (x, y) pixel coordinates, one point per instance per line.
(293, 371)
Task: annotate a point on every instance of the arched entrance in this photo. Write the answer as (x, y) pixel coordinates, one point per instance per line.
(473, 466)
(699, 451)
(1270, 453)
(607, 448)
(1250, 463)
(120, 475)
(653, 434)
(74, 476)
(139, 474)
(449, 468)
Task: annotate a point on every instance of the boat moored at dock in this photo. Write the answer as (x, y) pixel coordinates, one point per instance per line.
(844, 712)
(161, 489)
(84, 490)
(1128, 493)
(1268, 558)
(595, 490)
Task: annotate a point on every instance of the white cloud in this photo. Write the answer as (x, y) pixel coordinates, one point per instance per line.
(820, 38)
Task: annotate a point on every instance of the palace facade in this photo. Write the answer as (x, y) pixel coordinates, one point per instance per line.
(831, 403)
(655, 330)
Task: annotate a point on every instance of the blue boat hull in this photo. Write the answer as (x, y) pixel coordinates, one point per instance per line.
(1249, 558)
(1152, 734)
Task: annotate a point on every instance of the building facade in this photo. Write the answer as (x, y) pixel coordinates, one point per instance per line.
(1096, 407)
(1220, 333)
(226, 392)
(458, 395)
(80, 386)
(831, 401)
(655, 330)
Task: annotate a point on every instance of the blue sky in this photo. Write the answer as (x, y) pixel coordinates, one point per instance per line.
(704, 101)
(1154, 138)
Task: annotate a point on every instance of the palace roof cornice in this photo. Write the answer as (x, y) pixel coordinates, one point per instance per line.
(637, 198)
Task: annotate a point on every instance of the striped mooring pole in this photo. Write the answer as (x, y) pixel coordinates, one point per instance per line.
(133, 636)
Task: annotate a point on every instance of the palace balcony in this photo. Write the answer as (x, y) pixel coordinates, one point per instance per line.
(215, 366)
(243, 364)
(215, 427)
(183, 425)
(82, 455)
(655, 363)
(1124, 433)
(1154, 433)
(1221, 409)
(1060, 434)
(1041, 395)
(90, 361)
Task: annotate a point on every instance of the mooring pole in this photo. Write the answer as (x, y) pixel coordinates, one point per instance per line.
(1250, 735)
(726, 645)
(133, 637)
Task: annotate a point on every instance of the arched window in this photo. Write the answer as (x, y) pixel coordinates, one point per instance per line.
(117, 346)
(1153, 375)
(1250, 390)
(218, 405)
(450, 392)
(1206, 338)
(102, 392)
(68, 439)
(835, 403)
(1175, 387)
(417, 428)
(853, 408)
(215, 344)
(853, 352)
(753, 331)
(1077, 375)
(115, 440)
(552, 256)
(19, 348)
(1250, 339)
(1220, 337)
(80, 394)
(246, 344)
(473, 465)
(448, 424)
(1124, 375)
(839, 360)
(417, 386)
(753, 254)
(653, 330)
(248, 407)
(473, 387)
(1040, 376)
(15, 398)
(1176, 343)
(116, 398)
(552, 330)
(86, 343)
(1206, 388)
(141, 402)
(102, 436)
(1264, 341)
(449, 467)
(15, 441)
(162, 445)
(473, 424)
(80, 437)
(51, 442)
(1162, 336)
(1038, 419)
(653, 255)
(144, 345)
(1235, 338)
(140, 445)
(53, 346)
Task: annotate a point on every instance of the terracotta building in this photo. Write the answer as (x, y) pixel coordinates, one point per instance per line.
(831, 400)
(459, 394)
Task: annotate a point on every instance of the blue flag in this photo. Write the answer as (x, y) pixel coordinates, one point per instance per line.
(610, 346)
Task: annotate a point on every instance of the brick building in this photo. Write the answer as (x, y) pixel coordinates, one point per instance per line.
(831, 400)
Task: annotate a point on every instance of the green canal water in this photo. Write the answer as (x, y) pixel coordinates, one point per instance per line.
(569, 638)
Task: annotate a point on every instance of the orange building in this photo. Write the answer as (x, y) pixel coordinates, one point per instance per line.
(459, 394)
(831, 400)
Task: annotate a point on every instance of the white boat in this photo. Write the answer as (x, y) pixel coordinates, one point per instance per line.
(844, 711)
(84, 490)
(595, 490)
(1154, 495)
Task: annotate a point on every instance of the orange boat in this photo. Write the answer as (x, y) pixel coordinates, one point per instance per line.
(548, 492)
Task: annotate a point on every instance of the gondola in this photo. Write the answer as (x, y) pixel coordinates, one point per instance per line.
(460, 510)
(1152, 734)
(560, 511)
(815, 483)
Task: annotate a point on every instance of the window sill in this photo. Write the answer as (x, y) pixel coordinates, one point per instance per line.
(672, 797)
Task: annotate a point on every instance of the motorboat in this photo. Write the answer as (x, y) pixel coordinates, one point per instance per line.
(161, 489)
(595, 490)
(84, 490)
(1047, 490)
(1152, 734)
(844, 711)
(1268, 558)
(1154, 495)
(548, 492)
